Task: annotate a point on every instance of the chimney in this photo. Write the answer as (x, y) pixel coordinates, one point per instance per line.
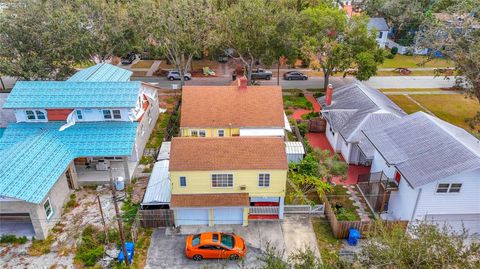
(242, 83)
(329, 95)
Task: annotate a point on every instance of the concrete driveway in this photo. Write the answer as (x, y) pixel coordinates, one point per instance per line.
(167, 250)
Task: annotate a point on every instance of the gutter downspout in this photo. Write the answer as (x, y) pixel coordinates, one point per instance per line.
(416, 204)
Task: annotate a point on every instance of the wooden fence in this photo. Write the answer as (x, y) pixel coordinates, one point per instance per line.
(340, 228)
(156, 218)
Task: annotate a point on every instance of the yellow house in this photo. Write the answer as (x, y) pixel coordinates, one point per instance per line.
(224, 111)
(227, 180)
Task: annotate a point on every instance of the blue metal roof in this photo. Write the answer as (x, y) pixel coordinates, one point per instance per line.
(102, 72)
(87, 139)
(30, 168)
(67, 94)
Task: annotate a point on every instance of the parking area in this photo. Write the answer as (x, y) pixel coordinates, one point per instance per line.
(167, 248)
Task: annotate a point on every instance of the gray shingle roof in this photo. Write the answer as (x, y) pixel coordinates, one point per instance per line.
(352, 105)
(425, 149)
(378, 23)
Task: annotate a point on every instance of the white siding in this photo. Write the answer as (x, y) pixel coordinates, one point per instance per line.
(262, 132)
(402, 202)
(97, 114)
(332, 137)
(345, 149)
(379, 164)
(465, 202)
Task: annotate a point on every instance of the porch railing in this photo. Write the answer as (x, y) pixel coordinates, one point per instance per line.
(379, 177)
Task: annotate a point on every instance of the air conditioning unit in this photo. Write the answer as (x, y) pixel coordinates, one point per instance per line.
(102, 165)
(243, 187)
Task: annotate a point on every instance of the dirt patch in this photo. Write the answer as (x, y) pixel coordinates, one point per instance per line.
(60, 250)
(139, 190)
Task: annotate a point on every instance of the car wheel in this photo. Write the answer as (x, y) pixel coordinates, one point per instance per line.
(197, 257)
(289, 78)
(304, 78)
(234, 257)
(170, 78)
(268, 77)
(186, 78)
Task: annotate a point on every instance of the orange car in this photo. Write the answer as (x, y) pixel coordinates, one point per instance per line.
(215, 246)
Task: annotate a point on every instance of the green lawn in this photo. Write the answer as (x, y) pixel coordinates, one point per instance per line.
(296, 102)
(342, 206)
(413, 62)
(327, 243)
(414, 90)
(451, 108)
(454, 109)
(143, 64)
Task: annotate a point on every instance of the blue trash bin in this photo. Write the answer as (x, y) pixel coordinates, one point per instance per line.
(353, 236)
(130, 246)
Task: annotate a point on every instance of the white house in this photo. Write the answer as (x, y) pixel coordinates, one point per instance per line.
(437, 168)
(381, 26)
(351, 109)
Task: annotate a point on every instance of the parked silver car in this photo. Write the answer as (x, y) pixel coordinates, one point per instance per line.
(175, 75)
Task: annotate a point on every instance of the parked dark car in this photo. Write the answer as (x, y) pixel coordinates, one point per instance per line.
(129, 59)
(175, 75)
(260, 73)
(294, 75)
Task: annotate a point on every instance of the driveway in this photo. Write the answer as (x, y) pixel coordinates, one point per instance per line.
(167, 250)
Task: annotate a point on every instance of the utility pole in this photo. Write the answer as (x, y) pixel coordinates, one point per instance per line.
(103, 219)
(119, 220)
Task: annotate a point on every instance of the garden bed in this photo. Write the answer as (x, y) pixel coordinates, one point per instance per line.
(342, 206)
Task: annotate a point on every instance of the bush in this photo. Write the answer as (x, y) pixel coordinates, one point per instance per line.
(302, 128)
(346, 215)
(390, 56)
(91, 249)
(146, 160)
(394, 51)
(310, 115)
(288, 112)
(12, 239)
(89, 256)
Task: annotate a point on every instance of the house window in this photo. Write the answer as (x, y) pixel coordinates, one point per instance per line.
(109, 114)
(449, 188)
(221, 133)
(222, 180)
(196, 133)
(79, 114)
(48, 208)
(183, 181)
(35, 115)
(264, 180)
(380, 35)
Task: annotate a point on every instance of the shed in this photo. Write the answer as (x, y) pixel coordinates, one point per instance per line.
(158, 191)
(295, 151)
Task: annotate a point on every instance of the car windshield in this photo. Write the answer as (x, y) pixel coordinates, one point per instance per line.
(196, 240)
(228, 240)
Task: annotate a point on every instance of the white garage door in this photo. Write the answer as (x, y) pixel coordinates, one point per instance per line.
(471, 222)
(190, 216)
(229, 215)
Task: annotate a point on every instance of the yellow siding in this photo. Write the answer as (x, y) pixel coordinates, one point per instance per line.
(201, 182)
(211, 132)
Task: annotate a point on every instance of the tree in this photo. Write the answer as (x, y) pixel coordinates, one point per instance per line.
(254, 32)
(313, 174)
(338, 44)
(424, 246)
(405, 16)
(179, 28)
(41, 39)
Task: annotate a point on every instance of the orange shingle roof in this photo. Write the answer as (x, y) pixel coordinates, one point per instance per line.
(205, 200)
(227, 153)
(224, 106)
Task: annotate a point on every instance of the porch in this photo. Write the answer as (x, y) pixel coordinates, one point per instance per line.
(376, 189)
(95, 171)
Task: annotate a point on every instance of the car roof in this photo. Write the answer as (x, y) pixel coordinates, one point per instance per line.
(207, 238)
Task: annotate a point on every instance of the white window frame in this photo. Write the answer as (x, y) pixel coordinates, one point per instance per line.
(263, 180)
(77, 111)
(221, 130)
(50, 206)
(36, 113)
(112, 114)
(180, 181)
(222, 187)
(448, 189)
